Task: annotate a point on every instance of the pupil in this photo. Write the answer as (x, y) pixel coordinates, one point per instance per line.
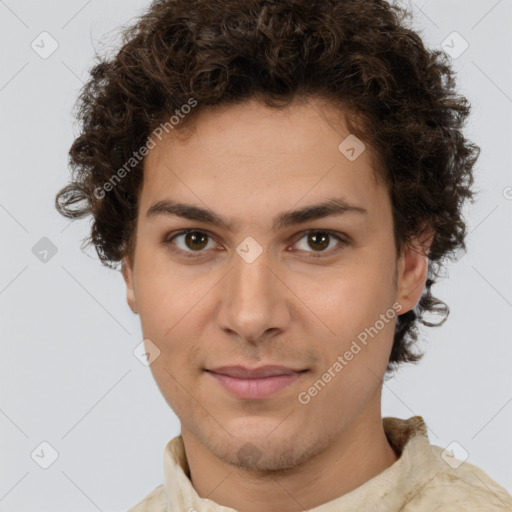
(323, 242)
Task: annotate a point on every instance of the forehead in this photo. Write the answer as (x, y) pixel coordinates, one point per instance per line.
(262, 158)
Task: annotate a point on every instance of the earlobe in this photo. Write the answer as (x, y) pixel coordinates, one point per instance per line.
(127, 271)
(412, 272)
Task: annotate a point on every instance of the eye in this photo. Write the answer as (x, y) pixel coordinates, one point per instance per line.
(320, 240)
(192, 241)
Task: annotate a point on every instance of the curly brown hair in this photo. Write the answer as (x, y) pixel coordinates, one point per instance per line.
(361, 55)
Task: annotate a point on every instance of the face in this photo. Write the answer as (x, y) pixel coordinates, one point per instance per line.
(268, 286)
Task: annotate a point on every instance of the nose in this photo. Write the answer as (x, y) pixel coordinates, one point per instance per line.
(254, 303)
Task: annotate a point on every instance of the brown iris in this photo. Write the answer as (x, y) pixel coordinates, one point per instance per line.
(320, 239)
(197, 240)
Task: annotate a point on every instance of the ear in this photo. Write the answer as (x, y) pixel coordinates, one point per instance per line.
(127, 271)
(412, 270)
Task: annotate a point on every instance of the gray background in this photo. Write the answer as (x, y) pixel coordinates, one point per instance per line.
(68, 373)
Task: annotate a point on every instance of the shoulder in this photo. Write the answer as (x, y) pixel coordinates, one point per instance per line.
(154, 502)
(461, 488)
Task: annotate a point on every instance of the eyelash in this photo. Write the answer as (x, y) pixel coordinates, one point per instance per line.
(190, 254)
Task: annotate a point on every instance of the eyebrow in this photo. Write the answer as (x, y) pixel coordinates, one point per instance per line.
(333, 206)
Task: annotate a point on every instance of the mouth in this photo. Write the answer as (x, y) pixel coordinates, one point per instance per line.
(257, 383)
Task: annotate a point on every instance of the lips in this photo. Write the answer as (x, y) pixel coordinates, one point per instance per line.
(256, 383)
(241, 372)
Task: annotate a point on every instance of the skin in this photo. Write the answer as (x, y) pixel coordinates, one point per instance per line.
(249, 163)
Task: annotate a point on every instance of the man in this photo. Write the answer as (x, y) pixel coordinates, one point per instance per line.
(281, 182)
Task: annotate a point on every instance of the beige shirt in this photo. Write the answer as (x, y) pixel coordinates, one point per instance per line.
(425, 478)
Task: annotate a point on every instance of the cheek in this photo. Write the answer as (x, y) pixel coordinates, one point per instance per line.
(355, 307)
(352, 296)
(169, 306)
(167, 295)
